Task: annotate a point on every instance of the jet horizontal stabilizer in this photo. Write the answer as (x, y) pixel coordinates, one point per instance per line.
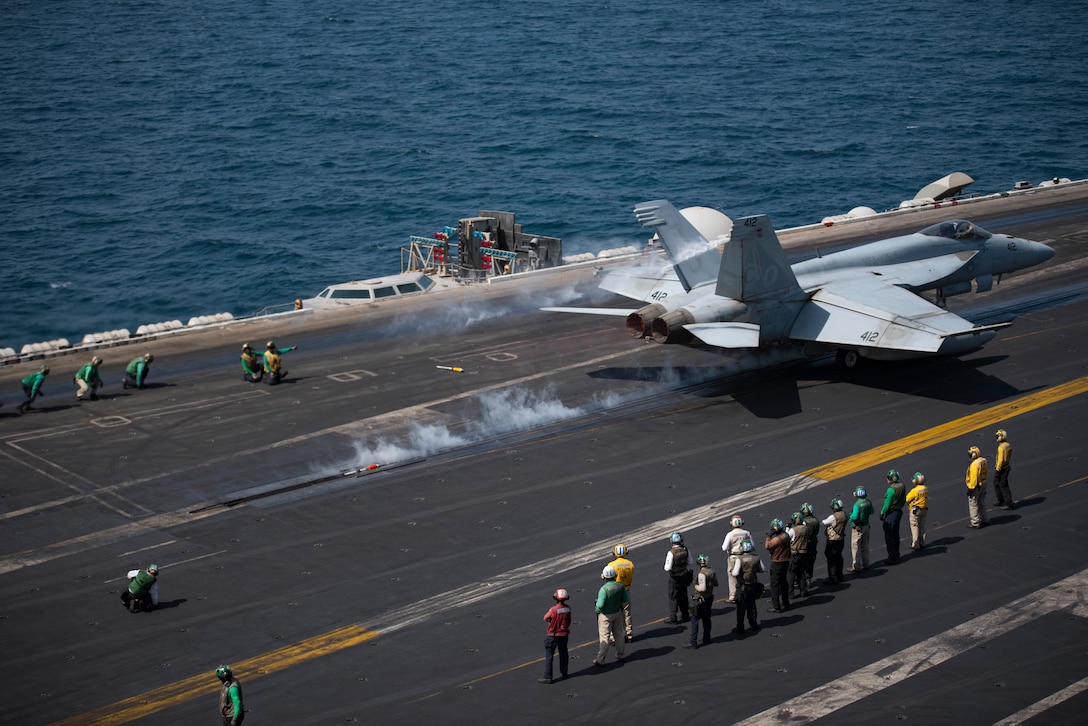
(726, 335)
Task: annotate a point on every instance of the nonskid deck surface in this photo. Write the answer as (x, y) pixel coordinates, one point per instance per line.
(345, 591)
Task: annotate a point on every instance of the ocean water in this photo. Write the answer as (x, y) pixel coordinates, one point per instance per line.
(164, 160)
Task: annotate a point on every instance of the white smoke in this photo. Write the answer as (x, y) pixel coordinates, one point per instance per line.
(490, 415)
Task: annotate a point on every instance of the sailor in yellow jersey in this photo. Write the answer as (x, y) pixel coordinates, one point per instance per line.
(1002, 467)
(918, 504)
(976, 488)
(625, 573)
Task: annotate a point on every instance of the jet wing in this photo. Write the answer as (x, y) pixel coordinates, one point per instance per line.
(590, 311)
(890, 317)
(641, 283)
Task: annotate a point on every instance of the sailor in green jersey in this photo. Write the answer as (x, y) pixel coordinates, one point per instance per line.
(32, 388)
(252, 365)
(891, 514)
(609, 607)
(859, 520)
(88, 379)
(143, 589)
(230, 697)
(625, 573)
(136, 371)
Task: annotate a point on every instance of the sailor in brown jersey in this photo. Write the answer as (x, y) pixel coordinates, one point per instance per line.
(778, 547)
(799, 544)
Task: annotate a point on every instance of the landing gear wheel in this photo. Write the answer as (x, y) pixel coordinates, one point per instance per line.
(848, 359)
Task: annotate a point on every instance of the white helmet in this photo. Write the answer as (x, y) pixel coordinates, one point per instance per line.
(608, 573)
(736, 521)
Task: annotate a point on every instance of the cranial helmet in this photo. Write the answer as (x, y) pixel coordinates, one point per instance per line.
(561, 595)
(608, 573)
(797, 518)
(96, 361)
(676, 538)
(246, 346)
(702, 560)
(44, 369)
(224, 672)
(777, 525)
(1000, 435)
(860, 493)
(620, 550)
(893, 475)
(919, 478)
(973, 452)
(836, 504)
(148, 357)
(806, 509)
(737, 521)
(153, 569)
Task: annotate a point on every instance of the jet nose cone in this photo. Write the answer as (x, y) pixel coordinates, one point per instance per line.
(1040, 253)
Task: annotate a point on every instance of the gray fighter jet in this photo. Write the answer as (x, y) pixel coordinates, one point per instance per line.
(860, 301)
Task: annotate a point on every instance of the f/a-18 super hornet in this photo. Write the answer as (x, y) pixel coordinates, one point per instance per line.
(862, 301)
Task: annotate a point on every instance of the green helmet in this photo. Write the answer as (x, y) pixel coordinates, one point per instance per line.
(806, 509)
(224, 671)
(777, 525)
(836, 504)
(702, 560)
(893, 476)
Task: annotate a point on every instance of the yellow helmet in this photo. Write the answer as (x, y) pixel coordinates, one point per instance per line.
(620, 550)
(974, 452)
(1000, 434)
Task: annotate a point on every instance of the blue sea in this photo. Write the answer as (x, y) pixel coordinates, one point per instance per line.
(162, 160)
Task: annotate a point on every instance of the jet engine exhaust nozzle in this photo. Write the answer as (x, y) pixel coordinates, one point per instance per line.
(639, 322)
(669, 328)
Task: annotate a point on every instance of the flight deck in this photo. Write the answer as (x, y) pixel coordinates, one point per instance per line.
(377, 538)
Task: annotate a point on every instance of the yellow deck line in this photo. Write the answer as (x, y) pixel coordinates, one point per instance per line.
(947, 431)
(205, 686)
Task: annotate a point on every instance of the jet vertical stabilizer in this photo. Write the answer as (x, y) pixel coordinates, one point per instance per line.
(754, 267)
(695, 260)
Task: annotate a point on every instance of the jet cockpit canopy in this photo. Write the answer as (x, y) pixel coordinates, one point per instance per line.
(956, 229)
